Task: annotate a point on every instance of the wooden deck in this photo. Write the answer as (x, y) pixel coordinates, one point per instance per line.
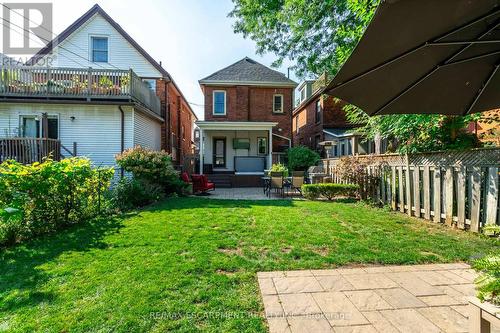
(84, 84)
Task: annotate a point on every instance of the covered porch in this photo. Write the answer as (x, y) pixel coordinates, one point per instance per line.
(238, 148)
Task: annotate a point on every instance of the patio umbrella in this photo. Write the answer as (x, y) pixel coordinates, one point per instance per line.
(425, 56)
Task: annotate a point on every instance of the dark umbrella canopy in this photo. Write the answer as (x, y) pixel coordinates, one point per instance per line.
(425, 56)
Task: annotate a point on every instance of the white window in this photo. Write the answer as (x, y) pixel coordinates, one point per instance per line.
(219, 102)
(262, 146)
(99, 49)
(278, 103)
(303, 94)
(31, 127)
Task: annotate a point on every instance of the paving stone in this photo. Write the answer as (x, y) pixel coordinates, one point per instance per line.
(458, 296)
(325, 272)
(355, 329)
(455, 278)
(299, 304)
(439, 300)
(400, 298)
(300, 284)
(465, 289)
(334, 283)
(426, 267)
(298, 273)
(462, 309)
(338, 309)
(377, 269)
(272, 306)
(350, 271)
(313, 324)
(410, 321)
(270, 274)
(380, 323)
(370, 281)
(267, 286)
(278, 325)
(413, 284)
(457, 265)
(402, 268)
(367, 300)
(468, 274)
(434, 278)
(446, 318)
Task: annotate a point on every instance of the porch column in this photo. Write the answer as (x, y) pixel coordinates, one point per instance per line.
(354, 145)
(202, 148)
(270, 157)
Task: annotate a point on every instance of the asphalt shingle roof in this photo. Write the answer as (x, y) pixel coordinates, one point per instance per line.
(248, 70)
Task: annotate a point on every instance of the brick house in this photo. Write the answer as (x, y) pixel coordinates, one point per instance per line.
(248, 118)
(108, 94)
(319, 120)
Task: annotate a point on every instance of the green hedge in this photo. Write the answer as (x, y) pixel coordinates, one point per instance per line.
(328, 190)
(43, 197)
(488, 281)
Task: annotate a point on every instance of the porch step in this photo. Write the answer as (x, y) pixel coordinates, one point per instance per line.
(221, 180)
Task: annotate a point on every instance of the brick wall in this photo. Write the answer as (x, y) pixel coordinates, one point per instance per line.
(332, 115)
(248, 103)
(178, 126)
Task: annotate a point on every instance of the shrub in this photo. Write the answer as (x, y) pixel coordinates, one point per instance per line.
(130, 193)
(301, 158)
(279, 168)
(153, 167)
(355, 171)
(488, 281)
(328, 190)
(43, 197)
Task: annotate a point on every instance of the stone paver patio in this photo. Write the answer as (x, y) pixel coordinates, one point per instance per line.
(418, 298)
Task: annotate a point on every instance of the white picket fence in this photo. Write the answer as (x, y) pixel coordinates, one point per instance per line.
(456, 188)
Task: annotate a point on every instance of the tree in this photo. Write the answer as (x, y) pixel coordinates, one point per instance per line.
(318, 35)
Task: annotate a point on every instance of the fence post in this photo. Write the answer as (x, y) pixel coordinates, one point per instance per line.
(461, 197)
(449, 196)
(492, 198)
(408, 186)
(437, 194)
(475, 199)
(427, 196)
(416, 189)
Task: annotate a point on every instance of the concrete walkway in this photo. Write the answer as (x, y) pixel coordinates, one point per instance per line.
(418, 298)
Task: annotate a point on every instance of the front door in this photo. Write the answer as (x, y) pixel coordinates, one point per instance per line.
(219, 149)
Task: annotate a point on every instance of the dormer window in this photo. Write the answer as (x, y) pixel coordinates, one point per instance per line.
(278, 103)
(303, 94)
(99, 51)
(219, 102)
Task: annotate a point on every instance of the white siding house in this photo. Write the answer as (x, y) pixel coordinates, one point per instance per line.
(101, 121)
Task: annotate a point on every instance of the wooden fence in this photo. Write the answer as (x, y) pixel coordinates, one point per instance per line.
(29, 150)
(457, 188)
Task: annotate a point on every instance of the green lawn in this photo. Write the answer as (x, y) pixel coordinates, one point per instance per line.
(183, 264)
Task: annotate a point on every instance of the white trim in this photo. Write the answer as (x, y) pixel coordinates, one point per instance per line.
(340, 136)
(235, 125)
(282, 102)
(213, 103)
(284, 137)
(40, 117)
(248, 83)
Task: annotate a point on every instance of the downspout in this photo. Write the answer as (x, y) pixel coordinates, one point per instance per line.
(122, 136)
(167, 118)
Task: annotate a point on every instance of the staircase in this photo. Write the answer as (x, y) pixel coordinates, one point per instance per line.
(221, 180)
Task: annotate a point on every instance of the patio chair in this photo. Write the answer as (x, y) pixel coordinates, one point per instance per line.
(201, 184)
(277, 183)
(297, 181)
(185, 179)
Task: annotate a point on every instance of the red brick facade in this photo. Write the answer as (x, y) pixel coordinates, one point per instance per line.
(250, 103)
(309, 131)
(176, 133)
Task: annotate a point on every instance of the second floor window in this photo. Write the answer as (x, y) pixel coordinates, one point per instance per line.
(99, 49)
(317, 113)
(278, 103)
(219, 106)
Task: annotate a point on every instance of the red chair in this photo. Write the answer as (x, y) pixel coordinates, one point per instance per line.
(201, 184)
(185, 178)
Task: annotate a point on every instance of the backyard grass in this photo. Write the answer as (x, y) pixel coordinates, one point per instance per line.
(190, 264)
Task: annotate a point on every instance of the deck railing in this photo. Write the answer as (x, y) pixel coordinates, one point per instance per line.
(29, 150)
(78, 83)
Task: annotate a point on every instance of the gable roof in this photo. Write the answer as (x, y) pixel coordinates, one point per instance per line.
(248, 72)
(96, 9)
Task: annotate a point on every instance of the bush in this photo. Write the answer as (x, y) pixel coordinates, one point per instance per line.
(279, 168)
(355, 171)
(153, 167)
(130, 193)
(301, 158)
(43, 197)
(488, 281)
(328, 190)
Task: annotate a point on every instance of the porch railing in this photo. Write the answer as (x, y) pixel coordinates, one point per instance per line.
(29, 150)
(77, 83)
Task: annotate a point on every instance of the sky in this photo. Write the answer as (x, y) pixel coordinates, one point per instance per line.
(192, 38)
